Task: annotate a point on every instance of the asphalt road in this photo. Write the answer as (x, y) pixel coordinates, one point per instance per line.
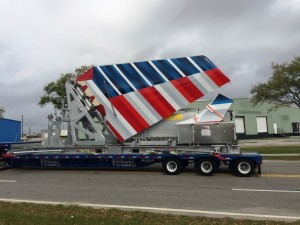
(274, 195)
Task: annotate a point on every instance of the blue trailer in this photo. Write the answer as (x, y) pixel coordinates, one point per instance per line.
(173, 160)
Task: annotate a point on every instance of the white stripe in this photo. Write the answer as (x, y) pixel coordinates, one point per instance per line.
(194, 64)
(202, 81)
(224, 106)
(125, 78)
(34, 151)
(167, 97)
(157, 70)
(118, 122)
(109, 81)
(8, 181)
(258, 190)
(157, 209)
(142, 75)
(175, 93)
(144, 109)
(176, 68)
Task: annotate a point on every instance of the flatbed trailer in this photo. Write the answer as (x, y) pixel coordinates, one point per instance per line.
(172, 160)
(115, 118)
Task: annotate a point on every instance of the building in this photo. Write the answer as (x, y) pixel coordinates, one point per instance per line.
(10, 130)
(256, 121)
(251, 121)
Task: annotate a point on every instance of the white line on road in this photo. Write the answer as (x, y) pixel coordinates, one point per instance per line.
(8, 181)
(258, 190)
(166, 210)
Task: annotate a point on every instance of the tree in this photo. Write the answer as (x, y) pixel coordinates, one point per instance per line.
(2, 111)
(55, 91)
(282, 88)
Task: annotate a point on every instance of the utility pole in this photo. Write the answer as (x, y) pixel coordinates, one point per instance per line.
(22, 132)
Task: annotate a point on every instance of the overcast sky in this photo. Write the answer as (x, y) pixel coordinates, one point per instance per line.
(41, 39)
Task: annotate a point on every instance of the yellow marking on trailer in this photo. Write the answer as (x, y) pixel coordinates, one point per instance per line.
(177, 116)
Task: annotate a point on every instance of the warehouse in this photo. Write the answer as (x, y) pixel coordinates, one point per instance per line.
(10, 130)
(255, 121)
(251, 121)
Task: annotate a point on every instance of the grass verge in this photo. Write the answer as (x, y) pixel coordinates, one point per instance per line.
(275, 150)
(31, 214)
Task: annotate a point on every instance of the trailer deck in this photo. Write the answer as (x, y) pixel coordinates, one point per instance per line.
(173, 162)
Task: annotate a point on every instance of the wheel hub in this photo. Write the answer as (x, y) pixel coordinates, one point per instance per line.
(244, 167)
(206, 167)
(172, 166)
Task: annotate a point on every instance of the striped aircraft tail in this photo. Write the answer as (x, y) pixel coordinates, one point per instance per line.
(134, 96)
(213, 113)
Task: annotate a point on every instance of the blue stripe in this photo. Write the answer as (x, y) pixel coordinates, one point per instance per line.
(133, 76)
(221, 99)
(185, 66)
(99, 80)
(167, 69)
(149, 72)
(120, 83)
(203, 62)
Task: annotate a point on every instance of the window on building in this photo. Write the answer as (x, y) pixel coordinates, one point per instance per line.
(262, 126)
(240, 124)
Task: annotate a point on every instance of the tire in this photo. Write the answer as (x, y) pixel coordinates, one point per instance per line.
(172, 166)
(244, 167)
(206, 167)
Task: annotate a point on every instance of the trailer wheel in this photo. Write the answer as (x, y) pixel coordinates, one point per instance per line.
(244, 167)
(206, 167)
(172, 166)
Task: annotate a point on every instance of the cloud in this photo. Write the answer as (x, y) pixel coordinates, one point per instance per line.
(42, 39)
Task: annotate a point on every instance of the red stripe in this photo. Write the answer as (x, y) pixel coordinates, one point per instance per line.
(217, 76)
(116, 133)
(157, 101)
(88, 75)
(129, 113)
(186, 87)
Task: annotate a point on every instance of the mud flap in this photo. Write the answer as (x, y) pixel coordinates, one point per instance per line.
(259, 169)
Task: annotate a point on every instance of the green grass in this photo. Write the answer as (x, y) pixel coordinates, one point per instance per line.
(31, 214)
(273, 150)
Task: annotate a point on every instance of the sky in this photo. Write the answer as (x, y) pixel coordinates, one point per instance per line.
(42, 39)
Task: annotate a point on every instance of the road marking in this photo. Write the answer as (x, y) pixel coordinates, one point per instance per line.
(159, 171)
(258, 190)
(281, 175)
(155, 209)
(8, 181)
